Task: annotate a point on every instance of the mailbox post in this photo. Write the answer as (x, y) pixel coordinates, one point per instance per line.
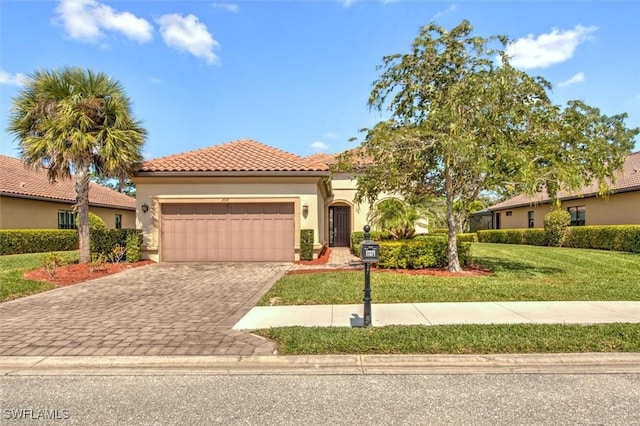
(369, 253)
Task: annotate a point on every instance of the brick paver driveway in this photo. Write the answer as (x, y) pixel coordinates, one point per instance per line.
(161, 309)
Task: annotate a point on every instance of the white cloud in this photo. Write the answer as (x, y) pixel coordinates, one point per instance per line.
(89, 20)
(578, 78)
(189, 34)
(320, 146)
(450, 9)
(547, 49)
(17, 79)
(229, 7)
(156, 80)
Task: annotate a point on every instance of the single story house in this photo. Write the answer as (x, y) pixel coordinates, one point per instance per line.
(28, 200)
(242, 201)
(621, 206)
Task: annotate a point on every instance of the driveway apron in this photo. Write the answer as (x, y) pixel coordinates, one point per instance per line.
(160, 309)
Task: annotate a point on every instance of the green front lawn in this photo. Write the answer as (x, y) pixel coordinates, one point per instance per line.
(12, 285)
(522, 273)
(457, 339)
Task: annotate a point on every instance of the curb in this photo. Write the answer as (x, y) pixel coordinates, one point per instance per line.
(582, 363)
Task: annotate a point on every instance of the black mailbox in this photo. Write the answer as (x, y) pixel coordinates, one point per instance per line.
(369, 251)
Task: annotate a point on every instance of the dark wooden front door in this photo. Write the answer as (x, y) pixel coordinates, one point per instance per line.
(340, 223)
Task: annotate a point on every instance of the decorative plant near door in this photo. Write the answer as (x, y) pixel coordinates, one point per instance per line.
(396, 217)
(306, 244)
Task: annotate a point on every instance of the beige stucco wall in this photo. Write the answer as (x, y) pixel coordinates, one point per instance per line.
(22, 213)
(154, 191)
(344, 192)
(616, 209)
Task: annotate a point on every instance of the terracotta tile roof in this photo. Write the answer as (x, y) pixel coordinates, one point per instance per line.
(321, 158)
(628, 179)
(237, 156)
(18, 180)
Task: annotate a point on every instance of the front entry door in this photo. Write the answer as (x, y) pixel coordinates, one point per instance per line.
(341, 225)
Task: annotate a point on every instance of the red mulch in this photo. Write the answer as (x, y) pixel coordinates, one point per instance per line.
(467, 271)
(79, 272)
(323, 259)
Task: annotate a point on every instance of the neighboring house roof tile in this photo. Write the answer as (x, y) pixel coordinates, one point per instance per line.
(16, 179)
(322, 159)
(627, 179)
(237, 156)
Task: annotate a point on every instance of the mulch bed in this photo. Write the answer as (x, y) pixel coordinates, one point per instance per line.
(79, 272)
(322, 260)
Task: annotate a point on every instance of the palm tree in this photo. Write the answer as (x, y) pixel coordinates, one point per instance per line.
(397, 217)
(74, 121)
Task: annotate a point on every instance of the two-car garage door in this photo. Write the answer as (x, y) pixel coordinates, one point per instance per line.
(233, 232)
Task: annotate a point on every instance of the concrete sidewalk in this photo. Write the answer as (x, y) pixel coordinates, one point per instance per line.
(442, 313)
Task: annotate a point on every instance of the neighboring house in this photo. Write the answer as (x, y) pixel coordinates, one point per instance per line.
(242, 201)
(621, 206)
(29, 201)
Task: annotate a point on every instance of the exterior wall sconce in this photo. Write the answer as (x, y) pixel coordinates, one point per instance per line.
(305, 210)
(145, 208)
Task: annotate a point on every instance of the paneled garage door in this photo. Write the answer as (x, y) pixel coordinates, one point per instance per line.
(234, 232)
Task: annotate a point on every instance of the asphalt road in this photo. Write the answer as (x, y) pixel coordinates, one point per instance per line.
(479, 399)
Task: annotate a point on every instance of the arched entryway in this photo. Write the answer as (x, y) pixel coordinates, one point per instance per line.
(339, 225)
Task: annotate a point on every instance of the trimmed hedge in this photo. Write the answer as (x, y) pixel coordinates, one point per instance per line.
(420, 254)
(611, 237)
(104, 240)
(470, 237)
(358, 236)
(306, 244)
(530, 236)
(602, 237)
(20, 241)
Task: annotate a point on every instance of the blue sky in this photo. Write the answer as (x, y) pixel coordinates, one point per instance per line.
(297, 74)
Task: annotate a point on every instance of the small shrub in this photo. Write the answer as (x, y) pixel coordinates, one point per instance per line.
(102, 241)
(306, 244)
(50, 262)
(98, 262)
(117, 254)
(95, 221)
(556, 227)
(133, 243)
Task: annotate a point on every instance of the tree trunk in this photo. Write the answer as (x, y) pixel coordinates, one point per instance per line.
(82, 205)
(452, 223)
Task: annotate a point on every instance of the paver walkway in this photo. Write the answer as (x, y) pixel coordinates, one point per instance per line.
(160, 309)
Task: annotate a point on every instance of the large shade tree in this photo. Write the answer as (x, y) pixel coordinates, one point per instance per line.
(73, 122)
(463, 121)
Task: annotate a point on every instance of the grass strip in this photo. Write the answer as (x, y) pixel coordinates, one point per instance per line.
(12, 267)
(456, 339)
